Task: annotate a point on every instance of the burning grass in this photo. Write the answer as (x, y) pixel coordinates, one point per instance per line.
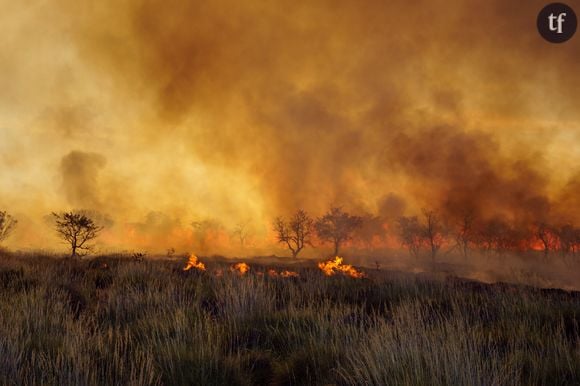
(71, 322)
(193, 262)
(334, 266)
(240, 268)
(273, 273)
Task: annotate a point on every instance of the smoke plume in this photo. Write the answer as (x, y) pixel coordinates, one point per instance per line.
(249, 110)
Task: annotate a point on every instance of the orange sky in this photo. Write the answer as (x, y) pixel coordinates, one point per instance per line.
(242, 111)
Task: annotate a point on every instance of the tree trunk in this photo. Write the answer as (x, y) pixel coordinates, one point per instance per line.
(336, 247)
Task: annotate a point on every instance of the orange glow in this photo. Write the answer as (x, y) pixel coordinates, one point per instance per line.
(241, 268)
(285, 273)
(332, 267)
(536, 245)
(289, 274)
(193, 262)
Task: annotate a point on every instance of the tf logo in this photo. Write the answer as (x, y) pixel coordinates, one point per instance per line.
(557, 22)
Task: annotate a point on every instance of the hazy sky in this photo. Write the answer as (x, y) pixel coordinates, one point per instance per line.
(244, 110)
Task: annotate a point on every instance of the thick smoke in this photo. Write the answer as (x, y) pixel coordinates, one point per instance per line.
(80, 178)
(250, 110)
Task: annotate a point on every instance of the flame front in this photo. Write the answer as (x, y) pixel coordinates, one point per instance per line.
(193, 262)
(332, 267)
(241, 268)
(285, 273)
(289, 274)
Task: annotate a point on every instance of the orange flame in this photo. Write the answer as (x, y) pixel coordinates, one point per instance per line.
(193, 262)
(285, 273)
(332, 267)
(241, 268)
(289, 274)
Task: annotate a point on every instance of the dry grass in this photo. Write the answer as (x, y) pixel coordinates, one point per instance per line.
(66, 322)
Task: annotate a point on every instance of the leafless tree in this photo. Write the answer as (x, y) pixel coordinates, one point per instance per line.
(491, 235)
(576, 243)
(410, 233)
(568, 239)
(295, 233)
(416, 235)
(337, 227)
(499, 236)
(547, 237)
(7, 225)
(202, 229)
(242, 232)
(433, 231)
(465, 232)
(77, 229)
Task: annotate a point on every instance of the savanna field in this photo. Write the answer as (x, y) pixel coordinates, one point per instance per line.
(117, 320)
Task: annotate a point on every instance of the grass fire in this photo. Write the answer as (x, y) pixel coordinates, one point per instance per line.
(194, 263)
(334, 266)
(240, 268)
(327, 192)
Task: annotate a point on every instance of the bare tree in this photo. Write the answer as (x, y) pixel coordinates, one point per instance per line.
(77, 229)
(410, 233)
(295, 233)
(568, 239)
(547, 236)
(202, 231)
(241, 231)
(465, 232)
(337, 226)
(416, 235)
(576, 243)
(499, 236)
(433, 231)
(7, 225)
(491, 235)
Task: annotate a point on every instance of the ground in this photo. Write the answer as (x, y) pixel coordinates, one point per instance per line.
(115, 320)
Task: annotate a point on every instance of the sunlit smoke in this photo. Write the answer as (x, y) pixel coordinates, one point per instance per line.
(181, 134)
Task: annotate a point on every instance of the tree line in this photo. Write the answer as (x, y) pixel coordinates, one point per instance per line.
(495, 235)
(427, 233)
(431, 232)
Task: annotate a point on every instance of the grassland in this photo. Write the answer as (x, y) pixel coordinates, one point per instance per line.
(113, 321)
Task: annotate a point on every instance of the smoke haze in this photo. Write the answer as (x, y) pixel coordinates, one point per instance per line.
(164, 113)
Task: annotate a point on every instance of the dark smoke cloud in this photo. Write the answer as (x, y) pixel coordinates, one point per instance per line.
(237, 110)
